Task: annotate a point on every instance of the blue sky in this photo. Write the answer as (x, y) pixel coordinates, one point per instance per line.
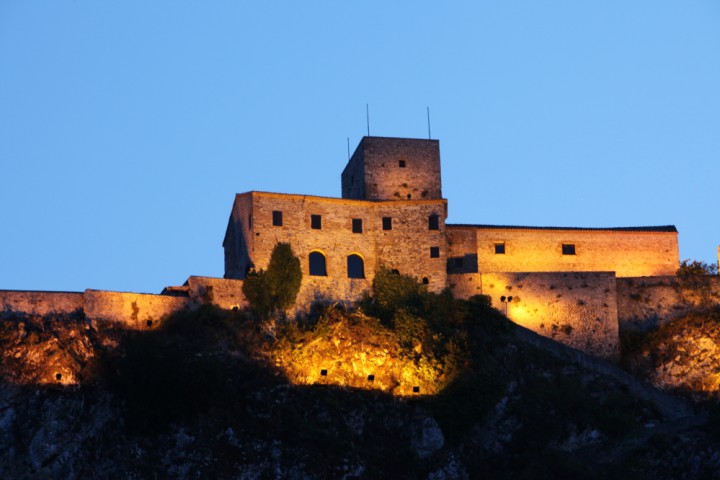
(127, 127)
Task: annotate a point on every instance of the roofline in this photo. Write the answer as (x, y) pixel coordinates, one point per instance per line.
(341, 200)
(401, 138)
(652, 229)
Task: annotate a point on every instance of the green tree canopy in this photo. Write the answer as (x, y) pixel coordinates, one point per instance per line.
(275, 289)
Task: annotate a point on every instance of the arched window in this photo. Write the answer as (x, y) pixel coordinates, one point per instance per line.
(355, 266)
(317, 264)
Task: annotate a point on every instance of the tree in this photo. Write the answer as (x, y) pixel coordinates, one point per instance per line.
(694, 277)
(275, 289)
(690, 268)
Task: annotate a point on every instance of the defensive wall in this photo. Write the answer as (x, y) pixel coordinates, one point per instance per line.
(40, 303)
(133, 310)
(399, 235)
(629, 252)
(648, 302)
(578, 309)
(393, 169)
(222, 292)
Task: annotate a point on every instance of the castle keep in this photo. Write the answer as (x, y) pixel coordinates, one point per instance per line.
(571, 284)
(559, 281)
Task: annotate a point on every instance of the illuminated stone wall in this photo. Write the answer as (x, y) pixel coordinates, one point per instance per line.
(40, 303)
(628, 253)
(645, 303)
(393, 169)
(135, 310)
(406, 247)
(578, 309)
(224, 293)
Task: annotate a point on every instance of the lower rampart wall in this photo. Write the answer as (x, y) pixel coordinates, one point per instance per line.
(40, 303)
(649, 302)
(134, 310)
(578, 309)
(224, 292)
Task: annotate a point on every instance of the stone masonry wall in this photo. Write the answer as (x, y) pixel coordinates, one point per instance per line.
(40, 303)
(135, 310)
(629, 254)
(238, 237)
(406, 247)
(649, 302)
(224, 293)
(377, 163)
(578, 309)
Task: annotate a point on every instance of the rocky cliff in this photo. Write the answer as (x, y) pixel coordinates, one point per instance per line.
(212, 394)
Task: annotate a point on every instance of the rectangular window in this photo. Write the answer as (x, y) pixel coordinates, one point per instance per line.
(433, 222)
(357, 225)
(434, 252)
(250, 221)
(387, 223)
(499, 249)
(568, 249)
(315, 222)
(277, 218)
(402, 163)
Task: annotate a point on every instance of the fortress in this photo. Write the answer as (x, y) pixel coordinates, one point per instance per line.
(577, 285)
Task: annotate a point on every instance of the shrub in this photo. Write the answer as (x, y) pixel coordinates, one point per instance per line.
(276, 289)
(690, 268)
(393, 291)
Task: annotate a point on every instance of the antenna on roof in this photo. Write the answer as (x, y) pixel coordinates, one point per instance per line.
(367, 117)
(348, 139)
(428, 115)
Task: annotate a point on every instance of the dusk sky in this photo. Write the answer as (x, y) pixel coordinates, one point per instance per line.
(126, 128)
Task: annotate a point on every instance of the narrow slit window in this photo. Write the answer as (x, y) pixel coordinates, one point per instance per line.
(500, 249)
(250, 221)
(315, 222)
(387, 223)
(568, 249)
(434, 252)
(433, 222)
(357, 225)
(277, 218)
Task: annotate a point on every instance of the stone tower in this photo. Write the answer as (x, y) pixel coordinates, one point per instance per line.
(393, 169)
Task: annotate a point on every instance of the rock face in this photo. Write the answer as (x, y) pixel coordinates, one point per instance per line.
(683, 355)
(203, 398)
(360, 353)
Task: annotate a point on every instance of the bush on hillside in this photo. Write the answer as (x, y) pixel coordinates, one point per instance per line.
(275, 289)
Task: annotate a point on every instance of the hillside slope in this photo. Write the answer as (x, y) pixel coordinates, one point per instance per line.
(217, 394)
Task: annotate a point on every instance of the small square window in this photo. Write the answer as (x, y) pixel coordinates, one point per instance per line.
(433, 222)
(499, 249)
(316, 222)
(277, 218)
(568, 249)
(387, 223)
(357, 225)
(434, 252)
(402, 163)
